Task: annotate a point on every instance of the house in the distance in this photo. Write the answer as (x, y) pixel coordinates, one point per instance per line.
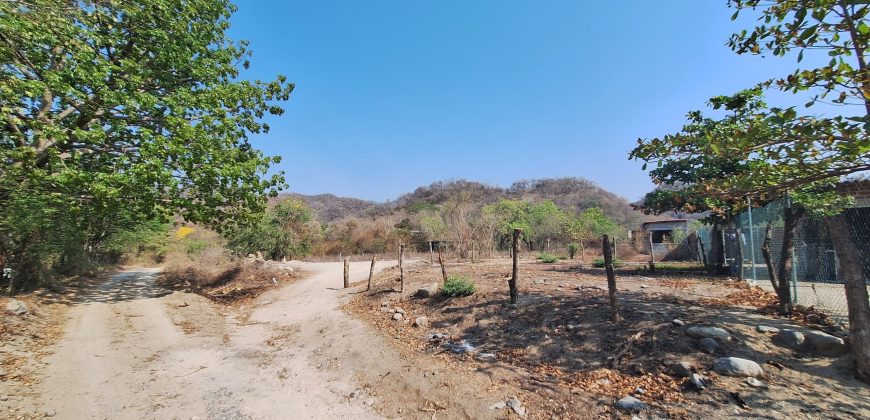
(667, 235)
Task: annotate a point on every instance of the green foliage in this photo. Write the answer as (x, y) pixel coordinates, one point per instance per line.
(286, 230)
(572, 250)
(678, 236)
(421, 206)
(457, 286)
(599, 262)
(432, 225)
(117, 113)
(836, 27)
(547, 258)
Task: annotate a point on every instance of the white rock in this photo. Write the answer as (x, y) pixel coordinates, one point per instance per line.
(16, 307)
(486, 357)
(818, 342)
(397, 316)
(735, 366)
(755, 383)
(516, 405)
(708, 332)
(766, 329)
(498, 406)
(421, 322)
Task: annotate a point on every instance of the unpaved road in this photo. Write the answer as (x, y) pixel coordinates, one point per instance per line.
(131, 351)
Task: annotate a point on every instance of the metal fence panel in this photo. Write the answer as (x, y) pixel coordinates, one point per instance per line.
(815, 280)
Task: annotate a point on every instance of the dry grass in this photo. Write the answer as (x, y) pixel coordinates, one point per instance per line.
(239, 280)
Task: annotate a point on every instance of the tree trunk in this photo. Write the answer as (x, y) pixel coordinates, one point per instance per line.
(716, 248)
(791, 217)
(768, 260)
(512, 283)
(372, 271)
(857, 300)
(431, 258)
(652, 254)
(611, 278)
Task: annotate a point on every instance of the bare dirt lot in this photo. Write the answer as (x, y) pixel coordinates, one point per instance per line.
(130, 349)
(124, 347)
(559, 347)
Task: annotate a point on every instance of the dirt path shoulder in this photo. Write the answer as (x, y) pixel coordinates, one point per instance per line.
(132, 351)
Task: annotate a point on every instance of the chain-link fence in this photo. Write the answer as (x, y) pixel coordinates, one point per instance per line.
(816, 277)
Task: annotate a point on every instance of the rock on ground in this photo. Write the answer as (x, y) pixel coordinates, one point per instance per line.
(817, 342)
(682, 369)
(708, 332)
(630, 403)
(16, 307)
(735, 366)
(486, 357)
(427, 291)
(698, 382)
(766, 329)
(516, 405)
(789, 338)
(708, 345)
(421, 322)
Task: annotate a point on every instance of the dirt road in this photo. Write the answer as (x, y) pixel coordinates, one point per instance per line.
(132, 351)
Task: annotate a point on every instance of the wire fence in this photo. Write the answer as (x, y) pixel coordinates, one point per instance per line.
(816, 280)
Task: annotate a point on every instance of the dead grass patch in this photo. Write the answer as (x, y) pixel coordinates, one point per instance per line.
(231, 283)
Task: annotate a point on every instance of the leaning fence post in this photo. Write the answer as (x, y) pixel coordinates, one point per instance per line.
(372, 271)
(346, 272)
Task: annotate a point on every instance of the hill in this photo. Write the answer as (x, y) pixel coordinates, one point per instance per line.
(328, 207)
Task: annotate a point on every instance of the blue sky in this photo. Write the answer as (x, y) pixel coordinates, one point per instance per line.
(391, 95)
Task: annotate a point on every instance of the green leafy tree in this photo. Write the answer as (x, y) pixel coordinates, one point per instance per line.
(546, 221)
(589, 225)
(783, 153)
(135, 105)
(815, 148)
(286, 230)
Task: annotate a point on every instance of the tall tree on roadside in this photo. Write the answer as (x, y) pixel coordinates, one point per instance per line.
(136, 105)
(783, 153)
(822, 148)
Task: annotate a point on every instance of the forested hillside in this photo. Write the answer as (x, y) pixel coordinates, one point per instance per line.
(469, 217)
(570, 194)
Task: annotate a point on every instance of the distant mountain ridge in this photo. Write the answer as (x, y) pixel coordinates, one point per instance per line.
(571, 194)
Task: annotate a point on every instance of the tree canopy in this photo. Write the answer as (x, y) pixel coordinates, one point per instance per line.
(135, 107)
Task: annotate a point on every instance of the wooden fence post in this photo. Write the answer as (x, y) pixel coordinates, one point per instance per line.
(372, 271)
(441, 262)
(431, 255)
(512, 283)
(346, 272)
(611, 278)
(652, 255)
(401, 269)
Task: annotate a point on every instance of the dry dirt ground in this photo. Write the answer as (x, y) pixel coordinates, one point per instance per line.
(559, 348)
(129, 349)
(133, 350)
